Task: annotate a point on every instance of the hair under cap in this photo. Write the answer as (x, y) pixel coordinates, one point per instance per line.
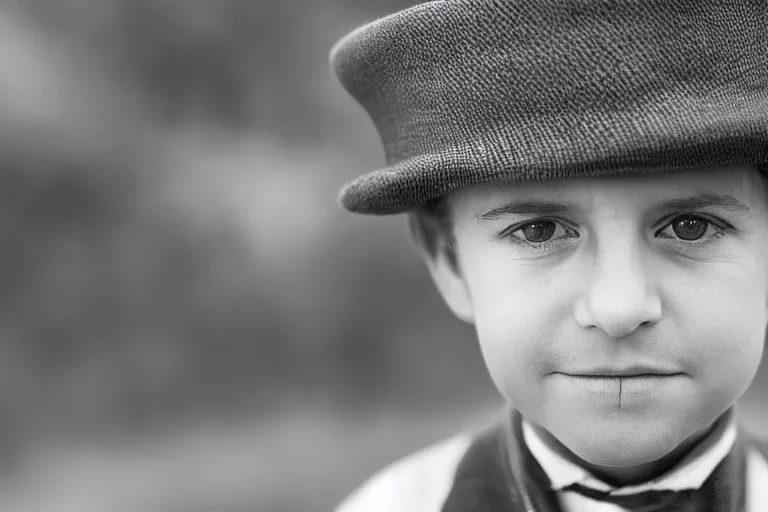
(472, 91)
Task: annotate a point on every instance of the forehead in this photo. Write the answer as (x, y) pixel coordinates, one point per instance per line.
(742, 183)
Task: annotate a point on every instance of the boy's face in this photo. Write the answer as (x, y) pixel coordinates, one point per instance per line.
(616, 275)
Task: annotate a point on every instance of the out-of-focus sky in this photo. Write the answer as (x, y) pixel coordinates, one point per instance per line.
(189, 321)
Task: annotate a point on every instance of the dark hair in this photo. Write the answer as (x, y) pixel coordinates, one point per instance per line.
(763, 168)
(432, 229)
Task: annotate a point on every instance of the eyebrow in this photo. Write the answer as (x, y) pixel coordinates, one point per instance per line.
(526, 207)
(536, 207)
(706, 200)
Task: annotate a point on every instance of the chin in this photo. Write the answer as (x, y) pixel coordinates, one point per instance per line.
(621, 453)
(611, 445)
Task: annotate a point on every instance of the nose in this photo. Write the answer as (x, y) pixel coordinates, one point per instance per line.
(619, 297)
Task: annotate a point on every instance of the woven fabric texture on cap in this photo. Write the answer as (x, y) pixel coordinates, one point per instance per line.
(472, 91)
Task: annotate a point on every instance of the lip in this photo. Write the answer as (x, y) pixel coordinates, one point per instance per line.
(631, 371)
(624, 392)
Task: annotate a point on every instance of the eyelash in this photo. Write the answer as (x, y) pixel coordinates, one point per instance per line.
(719, 225)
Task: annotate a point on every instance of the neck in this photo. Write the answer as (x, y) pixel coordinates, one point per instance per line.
(619, 476)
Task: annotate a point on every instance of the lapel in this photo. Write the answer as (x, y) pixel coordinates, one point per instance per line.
(487, 477)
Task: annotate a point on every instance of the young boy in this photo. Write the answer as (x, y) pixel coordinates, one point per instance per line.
(584, 181)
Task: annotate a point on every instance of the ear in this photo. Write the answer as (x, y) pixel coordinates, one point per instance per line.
(451, 284)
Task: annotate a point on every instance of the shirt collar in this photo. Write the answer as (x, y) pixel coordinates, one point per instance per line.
(690, 473)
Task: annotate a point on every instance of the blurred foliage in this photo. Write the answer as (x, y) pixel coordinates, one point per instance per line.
(172, 240)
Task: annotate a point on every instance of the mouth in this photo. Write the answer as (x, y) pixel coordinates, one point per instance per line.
(624, 389)
(634, 371)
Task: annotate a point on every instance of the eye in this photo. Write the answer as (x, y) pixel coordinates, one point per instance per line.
(688, 230)
(691, 228)
(539, 231)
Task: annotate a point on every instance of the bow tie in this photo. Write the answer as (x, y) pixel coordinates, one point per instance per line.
(647, 501)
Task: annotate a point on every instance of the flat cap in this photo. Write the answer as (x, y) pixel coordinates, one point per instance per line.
(472, 91)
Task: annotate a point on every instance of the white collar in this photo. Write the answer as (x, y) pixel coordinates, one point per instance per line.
(690, 473)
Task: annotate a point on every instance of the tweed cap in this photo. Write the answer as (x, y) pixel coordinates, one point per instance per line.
(473, 91)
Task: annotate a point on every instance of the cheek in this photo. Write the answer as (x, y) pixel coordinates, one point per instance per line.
(517, 312)
(722, 320)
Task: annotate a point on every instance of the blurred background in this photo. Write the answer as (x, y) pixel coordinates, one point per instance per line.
(189, 322)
